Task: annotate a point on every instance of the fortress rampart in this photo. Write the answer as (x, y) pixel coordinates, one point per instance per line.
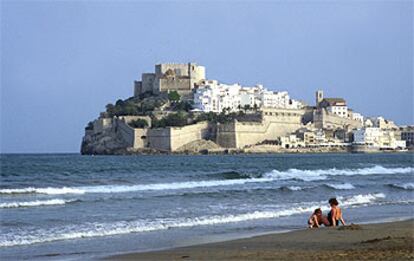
(325, 120)
(275, 123)
(172, 138)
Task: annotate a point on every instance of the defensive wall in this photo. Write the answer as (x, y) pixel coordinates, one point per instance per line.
(275, 123)
(172, 138)
(99, 125)
(322, 119)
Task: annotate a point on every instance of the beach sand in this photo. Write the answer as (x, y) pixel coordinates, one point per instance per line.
(384, 241)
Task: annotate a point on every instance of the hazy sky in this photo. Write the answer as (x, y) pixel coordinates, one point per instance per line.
(62, 62)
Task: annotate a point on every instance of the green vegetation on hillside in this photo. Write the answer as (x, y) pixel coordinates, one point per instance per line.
(89, 126)
(177, 112)
(182, 118)
(178, 119)
(138, 123)
(135, 106)
(222, 117)
(174, 96)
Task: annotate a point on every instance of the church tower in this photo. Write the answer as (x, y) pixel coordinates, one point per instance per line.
(319, 97)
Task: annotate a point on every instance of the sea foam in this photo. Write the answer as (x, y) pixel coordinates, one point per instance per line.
(35, 203)
(321, 174)
(340, 186)
(87, 230)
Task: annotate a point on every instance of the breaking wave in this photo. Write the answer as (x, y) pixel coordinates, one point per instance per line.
(291, 188)
(340, 186)
(291, 174)
(49, 191)
(321, 174)
(406, 186)
(88, 230)
(35, 203)
(131, 188)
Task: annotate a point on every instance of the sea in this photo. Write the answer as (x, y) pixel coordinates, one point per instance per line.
(74, 207)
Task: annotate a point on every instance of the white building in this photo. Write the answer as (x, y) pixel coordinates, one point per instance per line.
(375, 136)
(273, 99)
(335, 106)
(358, 117)
(368, 136)
(251, 96)
(291, 141)
(382, 123)
(341, 111)
(215, 97)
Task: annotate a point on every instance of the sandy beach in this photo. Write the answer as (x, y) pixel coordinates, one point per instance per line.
(383, 241)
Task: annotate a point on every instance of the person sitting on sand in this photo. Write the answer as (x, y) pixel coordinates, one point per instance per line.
(335, 215)
(317, 219)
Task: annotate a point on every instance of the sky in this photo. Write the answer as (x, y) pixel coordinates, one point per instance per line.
(63, 61)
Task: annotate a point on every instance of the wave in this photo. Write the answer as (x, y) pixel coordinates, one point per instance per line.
(291, 174)
(232, 175)
(405, 186)
(89, 230)
(340, 186)
(291, 188)
(35, 203)
(132, 188)
(321, 174)
(49, 191)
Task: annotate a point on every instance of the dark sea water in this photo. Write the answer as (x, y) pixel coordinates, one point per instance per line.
(75, 207)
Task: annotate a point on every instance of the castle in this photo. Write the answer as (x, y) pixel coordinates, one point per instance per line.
(182, 78)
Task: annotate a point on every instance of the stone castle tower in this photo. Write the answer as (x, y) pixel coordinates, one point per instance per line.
(171, 77)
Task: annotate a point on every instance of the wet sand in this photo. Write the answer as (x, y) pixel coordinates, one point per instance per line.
(384, 241)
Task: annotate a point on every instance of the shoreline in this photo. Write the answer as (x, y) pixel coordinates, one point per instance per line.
(243, 152)
(392, 240)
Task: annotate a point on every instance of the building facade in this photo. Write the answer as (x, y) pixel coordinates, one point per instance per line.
(377, 137)
(212, 96)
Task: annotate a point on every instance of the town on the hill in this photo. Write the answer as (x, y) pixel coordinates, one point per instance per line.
(177, 110)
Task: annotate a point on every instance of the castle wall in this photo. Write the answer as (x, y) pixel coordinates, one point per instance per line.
(137, 88)
(226, 135)
(275, 123)
(140, 138)
(197, 74)
(172, 138)
(183, 135)
(159, 139)
(133, 137)
(99, 125)
(177, 84)
(182, 80)
(148, 80)
(125, 132)
(325, 120)
(181, 69)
